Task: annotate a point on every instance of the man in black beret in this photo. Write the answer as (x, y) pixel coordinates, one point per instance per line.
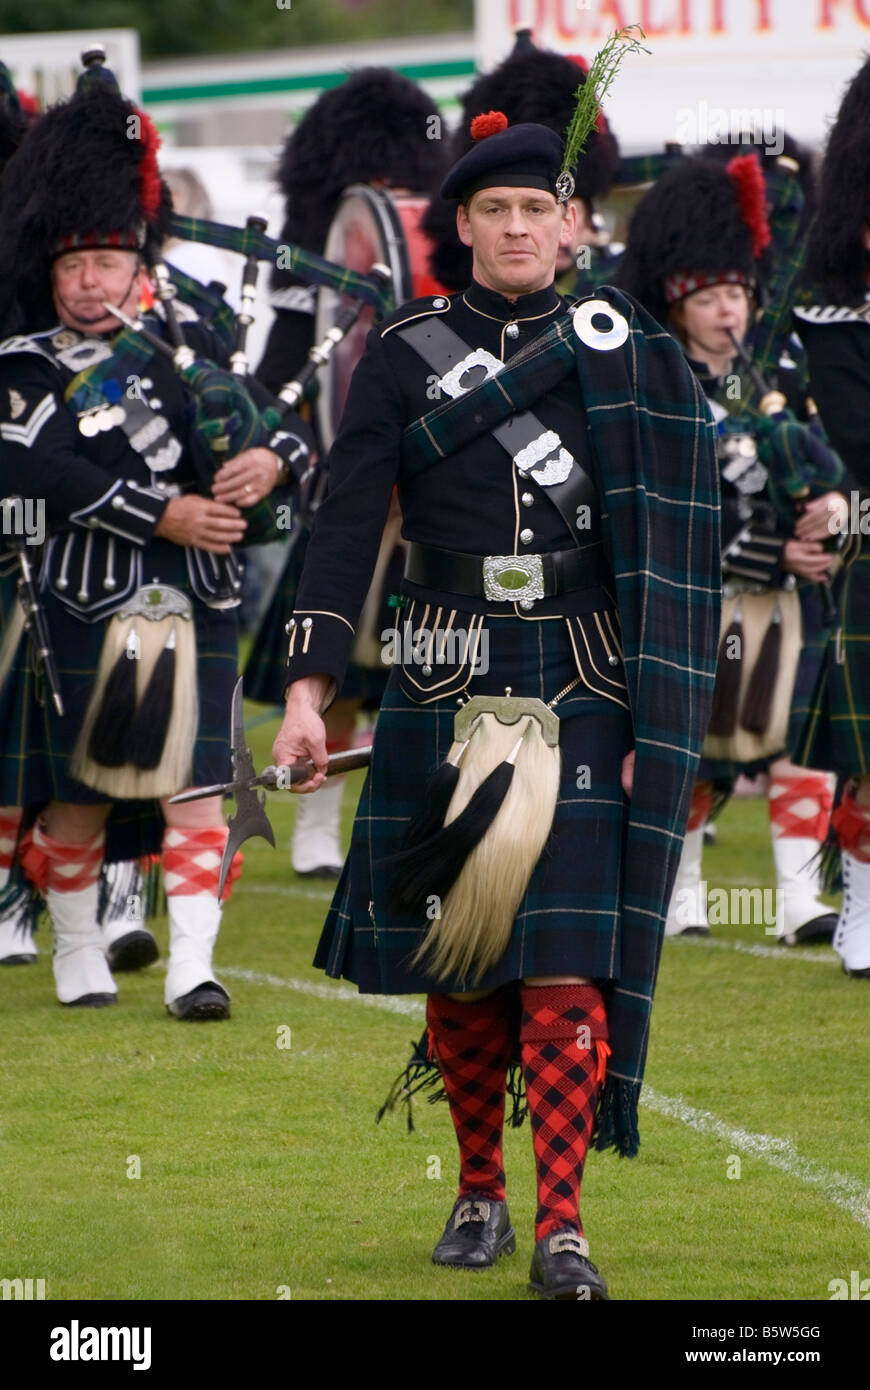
(492, 863)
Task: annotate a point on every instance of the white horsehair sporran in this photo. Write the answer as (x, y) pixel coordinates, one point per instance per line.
(474, 922)
(149, 652)
(756, 612)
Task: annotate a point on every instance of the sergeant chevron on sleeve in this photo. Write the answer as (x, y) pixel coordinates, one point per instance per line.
(145, 498)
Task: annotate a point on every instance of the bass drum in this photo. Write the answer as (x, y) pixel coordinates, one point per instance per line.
(370, 225)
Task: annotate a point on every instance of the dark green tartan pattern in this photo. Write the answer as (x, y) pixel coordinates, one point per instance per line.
(836, 735)
(309, 267)
(653, 450)
(646, 168)
(569, 918)
(814, 640)
(210, 306)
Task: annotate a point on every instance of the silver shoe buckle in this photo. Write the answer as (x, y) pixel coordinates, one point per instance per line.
(513, 578)
(571, 1242)
(471, 1211)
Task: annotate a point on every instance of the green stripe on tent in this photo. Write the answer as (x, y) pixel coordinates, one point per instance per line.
(420, 72)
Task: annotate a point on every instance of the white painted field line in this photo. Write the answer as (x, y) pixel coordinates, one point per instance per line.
(838, 1188)
(390, 1003)
(286, 890)
(795, 953)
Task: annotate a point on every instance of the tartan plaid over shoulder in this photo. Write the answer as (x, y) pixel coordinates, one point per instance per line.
(654, 456)
(653, 445)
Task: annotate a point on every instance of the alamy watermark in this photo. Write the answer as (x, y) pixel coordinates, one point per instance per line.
(849, 515)
(23, 516)
(429, 647)
(721, 907)
(25, 1290)
(703, 124)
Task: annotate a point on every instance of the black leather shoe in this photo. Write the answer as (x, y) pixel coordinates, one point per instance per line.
(857, 974)
(133, 951)
(562, 1270)
(203, 1004)
(478, 1231)
(819, 929)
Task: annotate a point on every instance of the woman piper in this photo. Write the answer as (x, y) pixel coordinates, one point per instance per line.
(695, 257)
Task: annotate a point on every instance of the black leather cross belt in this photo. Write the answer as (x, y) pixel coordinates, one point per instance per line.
(504, 578)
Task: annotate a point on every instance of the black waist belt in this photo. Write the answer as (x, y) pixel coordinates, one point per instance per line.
(504, 578)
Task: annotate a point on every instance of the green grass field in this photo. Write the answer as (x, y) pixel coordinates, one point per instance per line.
(263, 1174)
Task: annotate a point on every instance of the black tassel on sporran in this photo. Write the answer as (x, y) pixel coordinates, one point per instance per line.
(154, 711)
(726, 693)
(758, 701)
(109, 740)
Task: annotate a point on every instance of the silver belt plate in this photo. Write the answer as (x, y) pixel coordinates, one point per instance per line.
(513, 578)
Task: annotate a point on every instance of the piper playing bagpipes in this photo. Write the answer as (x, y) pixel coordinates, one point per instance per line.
(501, 862)
(152, 464)
(835, 331)
(372, 129)
(695, 259)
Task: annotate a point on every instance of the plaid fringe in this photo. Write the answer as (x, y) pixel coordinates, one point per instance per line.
(616, 1122)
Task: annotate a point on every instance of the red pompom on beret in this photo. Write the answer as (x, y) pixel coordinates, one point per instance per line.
(489, 123)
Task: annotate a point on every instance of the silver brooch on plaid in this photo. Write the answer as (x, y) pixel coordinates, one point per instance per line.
(513, 578)
(608, 333)
(554, 470)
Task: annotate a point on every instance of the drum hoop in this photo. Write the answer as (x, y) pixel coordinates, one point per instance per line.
(383, 210)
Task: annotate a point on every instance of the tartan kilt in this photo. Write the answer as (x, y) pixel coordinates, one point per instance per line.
(836, 732)
(38, 743)
(265, 671)
(569, 919)
(814, 641)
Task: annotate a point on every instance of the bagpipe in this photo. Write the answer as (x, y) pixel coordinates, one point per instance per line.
(225, 419)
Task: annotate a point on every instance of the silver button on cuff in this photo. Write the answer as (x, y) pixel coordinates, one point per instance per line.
(527, 535)
(614, 660)
(526, 604)
(307, 623)
(427, 670)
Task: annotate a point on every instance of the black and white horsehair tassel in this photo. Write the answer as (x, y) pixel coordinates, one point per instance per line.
(109, 741)
(433, 866)
(154, 711)
(437, 796)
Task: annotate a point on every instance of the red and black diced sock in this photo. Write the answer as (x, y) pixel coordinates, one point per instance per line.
(473, 1045)
(563, 1049)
